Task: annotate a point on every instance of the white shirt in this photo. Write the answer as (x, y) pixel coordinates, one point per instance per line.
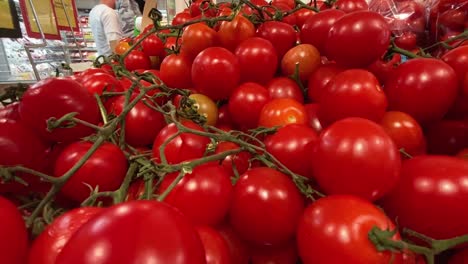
(105, 25)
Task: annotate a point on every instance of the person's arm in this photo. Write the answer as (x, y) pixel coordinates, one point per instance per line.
(112, 28)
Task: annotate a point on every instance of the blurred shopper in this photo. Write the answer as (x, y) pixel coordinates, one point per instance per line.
(128, 11)
(106, 26)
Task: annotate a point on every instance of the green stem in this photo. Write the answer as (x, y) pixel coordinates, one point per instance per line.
(121, 193)
(171, 186)
(102, 109)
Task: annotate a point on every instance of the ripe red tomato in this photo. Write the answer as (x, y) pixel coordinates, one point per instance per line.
(55, 97)
(405, 132)
(241, 161)
(236, 246)
(196, 38)
(153, 46)
(263, 211)
(176, 71)
(458, 59)
(284, 87)
(293, 145)
(459, 257)
(422, 88)
(48, 245)
(430, 191)
(216, 248)
(14, 242)
(201, 7)
(383, 69)
(308, 58)
(10, 112)
(302, 15)
(142, 124)
(447, 137)
(203, 196)
(281, 112)
(137, 60)
(106, 168)
(247, 98)
(356, 156)
(349, 6)
(133, 233)
(312, 117)
(258, 60)
(315, 29)
(232, 33)
(284, 254)
(320, 78)
(280, 34)
(407, 40)
(102, 82)
(181, 18)
(185, 146)
(358, 46)
(329, 232)
(352, 93)
(215, 72)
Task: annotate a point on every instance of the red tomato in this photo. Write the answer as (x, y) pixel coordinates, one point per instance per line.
(247, 98)
(224, 117)
(313, 120)
(14, 242)
(181, 18)
(315, 29)
(292, 145)
(306, 56)
(216, 248)
(284, 87)
(459, 257)
(102, 82)
(232, 33)
(203, 196)
(240, 160)
(196, 38)
(236, 246)
(356, 156)
(320, 78)
(302, 15)
(48, 245)
(142, 124)
(133, 233)
(263, 211)
(447, 137)
(201, 7)
(430, 191)
(90, 72)
(458, 60)
(281, 112)
(280, 34)
(153, 46)
(405, 132)
(422, 88)
(10, 112)
(185, 146)
(137, 60)
(284, 254)
(463, 154)
(383, 69)
(55, 97)
(289, 3)
(215, 72)
(172, 44)
(258, 60)
(176, 71)
(358, 46)
(329, 232)
(106, 168)
(407, 40)
(349, 6)
(352, 93)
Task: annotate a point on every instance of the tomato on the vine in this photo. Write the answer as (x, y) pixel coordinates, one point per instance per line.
(280, 34)
(247, 98)
(206, 108)
(175, 71)
(122, 47)
(240, 161)
(197, 37)
(102, 82)
(284, 87)
(137, 60)
(216, 247)
(14, 242)
(319, 79)
(153, 46)
(303, 57)
(281, 112)
(232, 33)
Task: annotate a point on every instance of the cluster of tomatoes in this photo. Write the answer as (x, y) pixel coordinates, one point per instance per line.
(245, 133)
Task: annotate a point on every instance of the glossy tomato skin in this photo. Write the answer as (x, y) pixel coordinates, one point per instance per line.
(308, 58)
(358, 46)
(176, 71)
(14, 245)
(302, 15)
(356, 156)
(247, 98)
(135, 232)
(102, 82)
(106, 168)
(431, 190)
(293, 145)
(206, 108)
(315, 29)
(458, 59)
(55, 97)
(216, 72)
(281, 112)
(216, 248)
(137, 60)
(349, 6)
(197, 37)
(266, 207)
(258, 60)
(405, 131)
(241, 161)
(447, 137)
(312, 118)
(284, 87)
(153, 46)
(232, 33)
(48, 245)
(10, 112)
(203, 196)
(333, 228)
(184, 147)
(280, 34)
(422, 88)
(237, 247)
(319, 79)
(142, 124)
(352, 93)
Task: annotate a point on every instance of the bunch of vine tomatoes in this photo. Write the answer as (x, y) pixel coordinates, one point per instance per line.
(249, 132)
